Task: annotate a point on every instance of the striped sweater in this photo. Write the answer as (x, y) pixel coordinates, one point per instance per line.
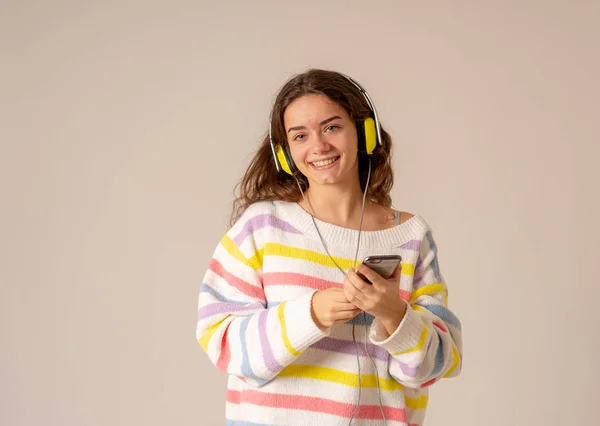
(255, 324)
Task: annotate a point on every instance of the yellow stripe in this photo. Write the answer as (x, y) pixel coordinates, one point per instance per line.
(209, 333)
(419, 403)
(233, 250)
(455, 359)
(420, 344)
(256, 261)
(339, 376)
(408, 269)
(284, 336)
(274, 249)
(429, 289)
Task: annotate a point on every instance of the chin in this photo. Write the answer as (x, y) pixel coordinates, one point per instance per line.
(325, 180)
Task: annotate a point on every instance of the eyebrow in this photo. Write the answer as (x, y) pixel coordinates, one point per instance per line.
(327, 120)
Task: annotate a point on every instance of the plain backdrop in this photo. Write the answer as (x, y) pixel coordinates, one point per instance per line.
(124, 127)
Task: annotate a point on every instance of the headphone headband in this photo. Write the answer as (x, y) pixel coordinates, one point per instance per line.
(371, 106)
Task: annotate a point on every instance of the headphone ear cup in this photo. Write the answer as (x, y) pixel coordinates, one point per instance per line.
(370, 135)
(360, 134)
(285, 161)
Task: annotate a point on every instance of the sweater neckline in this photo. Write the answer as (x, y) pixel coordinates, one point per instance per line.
(413, 228)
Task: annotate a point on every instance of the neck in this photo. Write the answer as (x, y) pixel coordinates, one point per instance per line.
(340, 205)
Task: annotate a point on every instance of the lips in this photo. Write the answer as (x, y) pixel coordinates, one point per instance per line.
(324, 163)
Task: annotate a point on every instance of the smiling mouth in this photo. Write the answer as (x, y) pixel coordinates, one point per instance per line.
(324, 163)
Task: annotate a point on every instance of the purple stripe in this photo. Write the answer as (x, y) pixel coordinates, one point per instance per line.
(418, 284)
(268, 356)
(348, 347)
(419, 266)
(226, 308)
(414, 245)
(411, 371)
(406, 370)
(418, 278)
(262, 221)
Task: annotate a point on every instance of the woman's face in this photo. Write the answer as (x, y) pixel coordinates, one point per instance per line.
(322, 139)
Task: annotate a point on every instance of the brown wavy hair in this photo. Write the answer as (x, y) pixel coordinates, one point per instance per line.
(262, 181)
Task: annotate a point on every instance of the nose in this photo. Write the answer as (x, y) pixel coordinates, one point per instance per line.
(320, 144)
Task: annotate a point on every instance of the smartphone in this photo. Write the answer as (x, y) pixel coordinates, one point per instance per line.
(384, 265)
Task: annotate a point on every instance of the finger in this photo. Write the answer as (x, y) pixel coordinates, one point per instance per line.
(344, 307)
(337, 294)
(347, 312)
(353, 300)
(340, 298)
(371, 275)
(353, 295)
(346, 316)
(394, 278)
(357, 300)
(358, 283)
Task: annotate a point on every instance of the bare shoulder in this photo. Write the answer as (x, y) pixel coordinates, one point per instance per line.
(405, 216)
(390, 214)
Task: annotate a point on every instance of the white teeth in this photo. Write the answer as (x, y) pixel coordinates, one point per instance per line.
(323, 163)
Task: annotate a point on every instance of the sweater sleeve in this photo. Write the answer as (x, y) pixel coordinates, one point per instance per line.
(239, 332)
(427, 345)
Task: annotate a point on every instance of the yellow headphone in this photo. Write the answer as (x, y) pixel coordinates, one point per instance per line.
(368, 131)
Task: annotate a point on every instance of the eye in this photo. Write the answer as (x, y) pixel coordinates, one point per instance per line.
(300, 137)
(332, 128)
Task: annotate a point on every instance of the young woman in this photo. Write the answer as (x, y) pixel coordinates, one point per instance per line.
(306, 336)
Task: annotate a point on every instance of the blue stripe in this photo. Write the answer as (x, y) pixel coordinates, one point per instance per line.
(444, 313)
(439, 357)
(360, 319)
(246, 369)
(434, 263)
(205, 288)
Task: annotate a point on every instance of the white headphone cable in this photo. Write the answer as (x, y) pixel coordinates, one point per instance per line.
(357, 404)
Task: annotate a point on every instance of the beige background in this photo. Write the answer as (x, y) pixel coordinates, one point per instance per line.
(125, 126)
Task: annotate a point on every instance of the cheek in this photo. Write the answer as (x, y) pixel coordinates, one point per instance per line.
(298, 154)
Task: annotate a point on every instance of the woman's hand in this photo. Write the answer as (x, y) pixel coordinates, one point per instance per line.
(330, 307)
(381, 299)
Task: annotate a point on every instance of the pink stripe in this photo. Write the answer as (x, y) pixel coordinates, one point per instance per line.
(225, 355)
(243, 286)
(405, 294)
(302, 280)
(315, 404)
(440, 326)
(307, 281)
(429, 383)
